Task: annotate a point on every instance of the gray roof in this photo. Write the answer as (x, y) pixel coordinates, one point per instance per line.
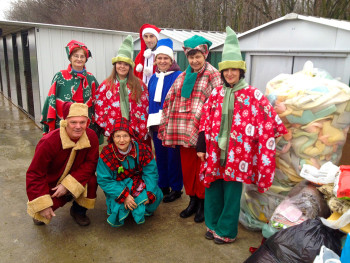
(8, 27)
(292, 16)
(216, 37)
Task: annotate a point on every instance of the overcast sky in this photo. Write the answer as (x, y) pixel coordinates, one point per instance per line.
(4, 5)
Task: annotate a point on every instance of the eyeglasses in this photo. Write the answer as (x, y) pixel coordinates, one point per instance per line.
(77, 56)
(118, 137)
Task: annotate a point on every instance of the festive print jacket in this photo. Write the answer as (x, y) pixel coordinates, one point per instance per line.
(65, 85)
(251, 148)
(107, 109)
(181, 116)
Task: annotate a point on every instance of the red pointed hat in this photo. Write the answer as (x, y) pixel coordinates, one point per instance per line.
(74, 44)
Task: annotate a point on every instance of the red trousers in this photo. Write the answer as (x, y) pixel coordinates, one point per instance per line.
(190, 170)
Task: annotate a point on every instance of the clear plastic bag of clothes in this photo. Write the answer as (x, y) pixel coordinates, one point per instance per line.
(315, 108)
(303, 202)
(257, 208)
(298, 244)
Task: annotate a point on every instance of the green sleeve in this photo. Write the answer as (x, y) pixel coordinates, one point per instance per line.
(150, 176)
(107, 181)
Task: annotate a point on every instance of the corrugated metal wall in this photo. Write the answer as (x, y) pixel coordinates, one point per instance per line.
(52, 56)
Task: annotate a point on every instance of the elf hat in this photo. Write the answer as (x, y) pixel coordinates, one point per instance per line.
(125, 52)
(198, 43)
(147, 28)
(231, 55)
(74, 44)
(165, 46)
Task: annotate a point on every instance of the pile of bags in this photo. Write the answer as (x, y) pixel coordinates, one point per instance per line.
(315, 108)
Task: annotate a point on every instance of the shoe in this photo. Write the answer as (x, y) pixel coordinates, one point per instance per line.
(165, 190)
(223, 240)
(191, 208)
(37, 222)
(80, 219)
(209, 234)
(199, 217)
(172, 196)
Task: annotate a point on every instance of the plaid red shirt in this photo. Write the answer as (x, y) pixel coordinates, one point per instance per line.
(181, 116)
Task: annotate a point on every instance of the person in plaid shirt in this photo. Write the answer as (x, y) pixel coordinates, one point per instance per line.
(127, 173)
(181, 116)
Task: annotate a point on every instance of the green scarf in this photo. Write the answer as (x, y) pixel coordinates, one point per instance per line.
(189, 81)
(124, 97)
(227, 117)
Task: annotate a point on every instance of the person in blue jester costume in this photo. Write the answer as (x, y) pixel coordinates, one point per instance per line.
(128, 175)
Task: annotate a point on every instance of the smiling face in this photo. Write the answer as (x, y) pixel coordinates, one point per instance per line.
(150, 40)
(196, 61)
(122, 140)
(76, 126)
(163, 62)
(78, 59)
(122, 69)
(231, 75)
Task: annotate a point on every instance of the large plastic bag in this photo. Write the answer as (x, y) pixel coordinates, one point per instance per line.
(316, 112)
(257, 208)
(297, 244)
(303, 202)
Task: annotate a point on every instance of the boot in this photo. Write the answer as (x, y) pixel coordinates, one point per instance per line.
(191, 209)
(199, 217)
(79, 214)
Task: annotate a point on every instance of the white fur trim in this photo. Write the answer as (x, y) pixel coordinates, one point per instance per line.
(147, 53)
(165, 50)
(139, 67)
(148, 71)
(150, 30)
(154, 118)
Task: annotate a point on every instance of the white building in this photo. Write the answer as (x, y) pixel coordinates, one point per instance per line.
(285, 44)
(31, 53)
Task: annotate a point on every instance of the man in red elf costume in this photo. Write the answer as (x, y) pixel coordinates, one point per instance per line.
(144, 61)
(63, 168)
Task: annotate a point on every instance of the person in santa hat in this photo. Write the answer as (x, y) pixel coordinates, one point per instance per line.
(63, 168)
(73, 84)
(144, 61)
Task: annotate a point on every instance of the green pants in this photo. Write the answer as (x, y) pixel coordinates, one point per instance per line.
(222, 207)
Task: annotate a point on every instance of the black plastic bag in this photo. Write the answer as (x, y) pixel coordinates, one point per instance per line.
(300, 243)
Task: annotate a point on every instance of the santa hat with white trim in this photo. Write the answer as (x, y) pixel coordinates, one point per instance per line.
(165, 46)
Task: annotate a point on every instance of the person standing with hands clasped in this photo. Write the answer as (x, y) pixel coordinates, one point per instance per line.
(236, 144)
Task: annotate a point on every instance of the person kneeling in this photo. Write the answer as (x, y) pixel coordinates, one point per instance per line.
(63, 168)
(127, 173)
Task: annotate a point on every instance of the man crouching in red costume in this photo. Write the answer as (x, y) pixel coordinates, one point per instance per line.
(63, 168)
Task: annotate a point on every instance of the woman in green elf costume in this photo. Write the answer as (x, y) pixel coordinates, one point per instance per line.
(73, 84)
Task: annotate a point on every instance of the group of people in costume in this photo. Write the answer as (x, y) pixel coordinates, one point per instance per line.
(210, 130)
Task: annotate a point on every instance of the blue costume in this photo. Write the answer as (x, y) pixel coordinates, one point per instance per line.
(168, 159)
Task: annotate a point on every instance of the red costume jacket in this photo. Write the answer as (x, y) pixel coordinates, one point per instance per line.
(56, 155)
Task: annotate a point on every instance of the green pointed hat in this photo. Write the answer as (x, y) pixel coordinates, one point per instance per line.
(125, 52)
(231, 55)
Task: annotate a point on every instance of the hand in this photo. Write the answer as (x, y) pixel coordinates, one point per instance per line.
(60, 191)
(201, 156)
(129, 203)
(47, 213)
